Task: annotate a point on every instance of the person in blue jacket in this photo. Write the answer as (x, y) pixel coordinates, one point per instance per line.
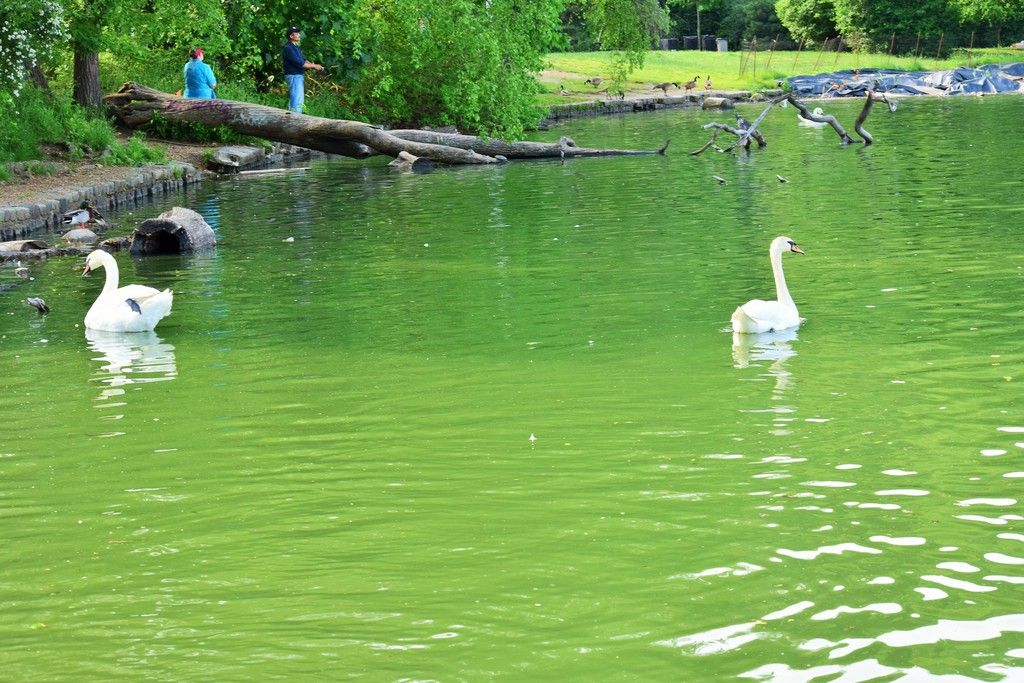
(295, 65)
(199, 78)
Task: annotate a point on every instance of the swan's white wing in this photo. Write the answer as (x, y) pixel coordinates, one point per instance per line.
(137, 292)
(758, 315)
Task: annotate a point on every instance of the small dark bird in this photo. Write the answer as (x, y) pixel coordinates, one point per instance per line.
(21, 271)
(37, 303)
(690, 85)
(134, 305)
(596, 82)
(782, 178)
(665, 86)
(707, 83)
(720, 179)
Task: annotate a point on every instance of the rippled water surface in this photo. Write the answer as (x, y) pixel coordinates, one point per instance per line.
(488, 423)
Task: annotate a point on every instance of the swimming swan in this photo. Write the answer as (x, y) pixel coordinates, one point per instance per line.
(132, 308)
(807, 122)
(756, 315)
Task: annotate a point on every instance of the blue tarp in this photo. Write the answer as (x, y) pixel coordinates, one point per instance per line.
(991, 78)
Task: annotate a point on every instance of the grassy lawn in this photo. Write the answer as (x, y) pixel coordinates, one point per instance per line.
(570, 69)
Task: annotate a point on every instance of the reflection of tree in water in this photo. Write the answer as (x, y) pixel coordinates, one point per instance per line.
(130, 358)
(772, 347)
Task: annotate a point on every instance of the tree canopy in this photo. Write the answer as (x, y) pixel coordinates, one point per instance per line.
(470, 63)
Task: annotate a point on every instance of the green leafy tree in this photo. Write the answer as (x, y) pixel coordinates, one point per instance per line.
(808, 19)
(752, 18)
(990, 11)
(462, 63)
(31, 32)
(628, 28)
(873, 21)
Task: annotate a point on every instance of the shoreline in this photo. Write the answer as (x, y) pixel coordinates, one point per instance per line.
(29, 208)
(115, 187)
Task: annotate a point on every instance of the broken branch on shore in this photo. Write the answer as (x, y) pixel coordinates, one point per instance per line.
(135, 104)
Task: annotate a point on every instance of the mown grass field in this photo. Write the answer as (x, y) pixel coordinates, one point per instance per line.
(736, 70)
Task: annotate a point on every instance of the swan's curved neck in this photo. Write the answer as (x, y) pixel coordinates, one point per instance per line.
(113, 275)
(781, 290)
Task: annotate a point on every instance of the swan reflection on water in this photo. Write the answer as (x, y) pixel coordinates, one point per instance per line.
(130, 358)
(772, 347)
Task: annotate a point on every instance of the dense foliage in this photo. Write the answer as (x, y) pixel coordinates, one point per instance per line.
(469, 63)
(30, 33)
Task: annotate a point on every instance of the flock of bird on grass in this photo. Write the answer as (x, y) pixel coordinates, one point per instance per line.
(138, 308)
(688, 86)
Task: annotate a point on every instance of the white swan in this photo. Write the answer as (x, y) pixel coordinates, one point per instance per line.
(132, 308)
(756, 315)
(818, 111)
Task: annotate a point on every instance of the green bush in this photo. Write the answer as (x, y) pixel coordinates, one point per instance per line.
(135, 152)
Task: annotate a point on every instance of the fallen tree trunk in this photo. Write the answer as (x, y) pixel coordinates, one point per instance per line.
(517, 149)
(134, 104)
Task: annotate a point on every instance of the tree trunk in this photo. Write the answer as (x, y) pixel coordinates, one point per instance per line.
(39, 79)
(134, 105)
(87, 79)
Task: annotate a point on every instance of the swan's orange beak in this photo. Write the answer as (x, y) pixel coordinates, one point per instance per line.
(796, 250)
(85, 273)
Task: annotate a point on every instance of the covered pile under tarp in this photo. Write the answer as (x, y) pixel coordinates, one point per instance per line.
(991, 78)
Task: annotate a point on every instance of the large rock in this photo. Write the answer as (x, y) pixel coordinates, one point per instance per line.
(173, 232)
(23, 245)
(234, 157)
(717, 103)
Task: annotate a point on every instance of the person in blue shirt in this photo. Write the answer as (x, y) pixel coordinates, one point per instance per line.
(295, 65)
(199, 78)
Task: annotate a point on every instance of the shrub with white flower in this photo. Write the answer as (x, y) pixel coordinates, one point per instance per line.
(30, 30)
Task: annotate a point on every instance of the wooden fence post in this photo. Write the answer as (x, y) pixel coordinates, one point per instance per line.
(824, 44)
(798, 48)
(771, 52)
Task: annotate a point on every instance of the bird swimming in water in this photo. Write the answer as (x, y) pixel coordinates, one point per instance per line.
(757, 316)
(131, 308)
(720, 179)
(38, 303)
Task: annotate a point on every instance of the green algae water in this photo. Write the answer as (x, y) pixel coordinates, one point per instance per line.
(490, 423)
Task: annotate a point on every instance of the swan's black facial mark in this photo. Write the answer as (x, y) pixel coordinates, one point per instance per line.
(134, 305)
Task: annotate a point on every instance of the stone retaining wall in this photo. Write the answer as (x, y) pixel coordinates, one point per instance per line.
(20, 222)
(572, 110)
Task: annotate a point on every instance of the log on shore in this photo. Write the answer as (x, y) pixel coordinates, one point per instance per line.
(135, 104)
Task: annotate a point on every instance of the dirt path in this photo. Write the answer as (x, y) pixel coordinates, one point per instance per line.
(39, 187)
